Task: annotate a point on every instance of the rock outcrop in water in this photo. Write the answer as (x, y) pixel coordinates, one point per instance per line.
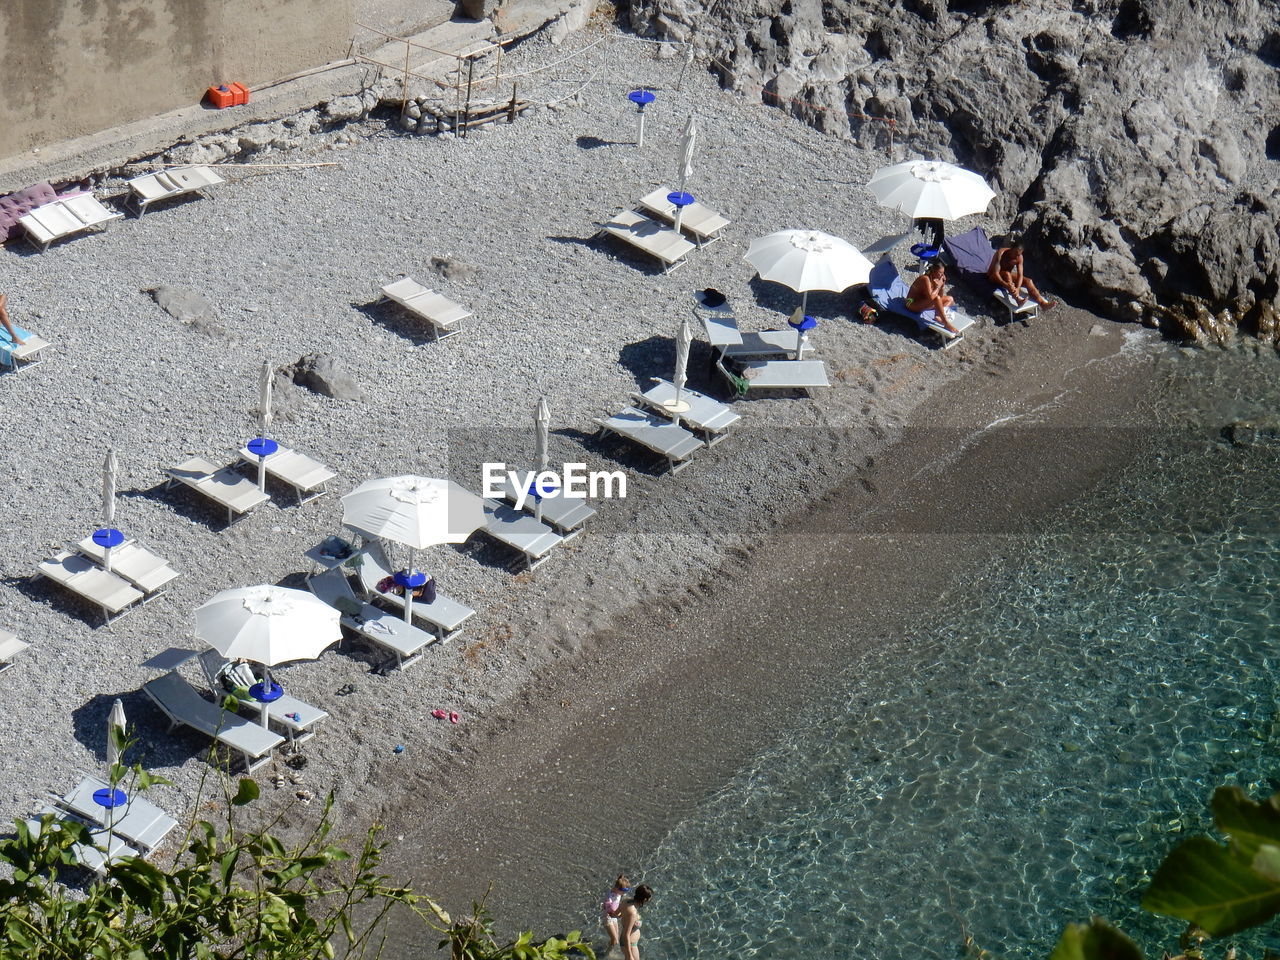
(1134, 143)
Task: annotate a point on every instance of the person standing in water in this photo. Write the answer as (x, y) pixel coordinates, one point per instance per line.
(629, 917)
(611, 907)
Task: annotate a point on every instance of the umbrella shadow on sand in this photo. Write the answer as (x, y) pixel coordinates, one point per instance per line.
(89, 723)
(656, 357)
(823, 304)
(595, 143)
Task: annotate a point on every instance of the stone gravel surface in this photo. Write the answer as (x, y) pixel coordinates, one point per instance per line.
(292, 262)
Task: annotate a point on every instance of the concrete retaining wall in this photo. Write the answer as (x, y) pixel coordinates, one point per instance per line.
(73, 67)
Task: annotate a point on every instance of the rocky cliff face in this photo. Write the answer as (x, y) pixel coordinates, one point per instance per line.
(1134, 143)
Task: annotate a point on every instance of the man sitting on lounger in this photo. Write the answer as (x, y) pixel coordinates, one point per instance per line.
(1005, 271)
(4, 319)
(926, 293)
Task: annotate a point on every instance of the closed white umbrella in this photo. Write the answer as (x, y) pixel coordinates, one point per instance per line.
(931, 188)
(541, 448)
(115, 735)
(684, 337)
(110, 470)
(417, 512)
(807, 260)
(265, 378)
(685, 169)
(268, 625)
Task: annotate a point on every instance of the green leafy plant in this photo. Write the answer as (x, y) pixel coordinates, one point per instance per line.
(234, 891)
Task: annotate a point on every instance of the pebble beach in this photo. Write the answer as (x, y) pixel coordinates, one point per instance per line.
(292, 262)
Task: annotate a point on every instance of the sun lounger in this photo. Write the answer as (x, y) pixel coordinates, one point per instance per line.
(722, 331)
(443, 314)
(309, 478)
(757, 375)
(139, 822)
(135, 563)
(971, 253)
(889, 290)
(651, 237)
(884, 245)
(222, 485)
(10, 647)
(705, 414)
(111, 593)
(566, 514)
(28, 354)
(657, 433)
(65, 217)
(702, 223)
(297, 717)
(91, 856)
(381, 627)
(445, 614)
(519, 531)
(182, 704)
(174, 182)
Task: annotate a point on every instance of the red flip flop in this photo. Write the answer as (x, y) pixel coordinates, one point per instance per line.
(453, 716)
(438, 713)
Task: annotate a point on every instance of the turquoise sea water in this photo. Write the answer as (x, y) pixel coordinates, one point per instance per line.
(1030, 762)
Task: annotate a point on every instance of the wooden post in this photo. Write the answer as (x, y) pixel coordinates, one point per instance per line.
(404, 99)
(466, 111)
(457, 100)
(511, 111)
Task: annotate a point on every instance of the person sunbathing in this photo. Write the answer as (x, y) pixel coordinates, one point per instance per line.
(4, 319)
(1005, 271)
(927, 293)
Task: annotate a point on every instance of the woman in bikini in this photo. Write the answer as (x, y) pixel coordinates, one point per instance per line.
(629, 917)
(926, 294)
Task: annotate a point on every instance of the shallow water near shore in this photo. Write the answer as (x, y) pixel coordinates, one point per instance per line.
(1030, 762)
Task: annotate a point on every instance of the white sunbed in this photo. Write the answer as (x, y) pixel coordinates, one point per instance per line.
(657, 433)
(566, 514)
(381, 627)
(445, 614)
(705, 414)
(648, 235)
(91, 856)
(519, 531)
(10, 647)
(700, 222)
(174, 182)
(803, 375)
(28, 354)
(182, 704)
(297, 717)
(135, 563)
(309, 478)
(139, 822)
(722, 331)
(85, 578)
(444, 315)
(64, 217)
(222, 485)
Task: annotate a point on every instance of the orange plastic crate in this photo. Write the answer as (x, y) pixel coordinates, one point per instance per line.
(228, 95)
(240, 94)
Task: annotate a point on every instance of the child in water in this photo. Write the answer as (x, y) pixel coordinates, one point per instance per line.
(611, 907)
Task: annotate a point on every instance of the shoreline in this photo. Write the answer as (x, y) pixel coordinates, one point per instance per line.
(584, 772)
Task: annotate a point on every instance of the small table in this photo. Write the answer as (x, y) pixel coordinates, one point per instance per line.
(409, 579)
(110, 798)
(106, 538)
(262, 447)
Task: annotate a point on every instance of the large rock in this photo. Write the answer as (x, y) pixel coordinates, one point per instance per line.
(1134, 143)
(183, 305)
(323, 374)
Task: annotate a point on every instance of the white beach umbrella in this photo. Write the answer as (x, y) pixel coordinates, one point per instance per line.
(268, 625)
(110, 470)
(417, 512)
(931, 188)
(265, 378)
(115, 734)
(687, 142)
(685, 168)
(684, 337)
(541, 447)
(807, 260)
